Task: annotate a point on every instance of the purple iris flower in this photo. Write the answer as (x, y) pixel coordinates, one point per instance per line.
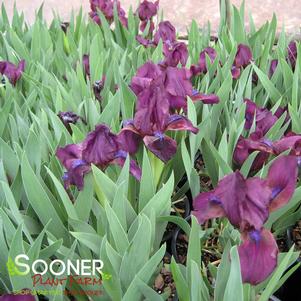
(107, 8)
(147, 10)
(70, 118)
(98, 87)
(247, 203)
(11, 71)
(202, 66)
(86, 64)
(152, 120)
(101, 147)
(292, 53)
(242, 59)
(264, 118)
(145, 75)
(14, 297)
(71, 158)
(178, 86)
(174, 54)
(243, 56)
(176, 82)
(244, 202)
(246, 146)
(65, 26)
(166, 32)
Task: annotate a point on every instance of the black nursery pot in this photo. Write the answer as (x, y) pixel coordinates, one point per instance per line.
(175, 240)
(187, 208)
(290, 289)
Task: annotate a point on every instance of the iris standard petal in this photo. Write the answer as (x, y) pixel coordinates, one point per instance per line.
(100, 146)
(243, 56)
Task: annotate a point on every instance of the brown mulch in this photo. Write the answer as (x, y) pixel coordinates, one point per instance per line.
(164, 281)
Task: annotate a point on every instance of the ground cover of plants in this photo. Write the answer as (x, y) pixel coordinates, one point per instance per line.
(172, 159)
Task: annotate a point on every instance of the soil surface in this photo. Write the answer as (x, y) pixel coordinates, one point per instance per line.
(179, 12)
(164, 282)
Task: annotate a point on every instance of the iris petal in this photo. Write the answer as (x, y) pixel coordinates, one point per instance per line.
(282, 178)
(181, 123)
(258, 255)
(164, 149)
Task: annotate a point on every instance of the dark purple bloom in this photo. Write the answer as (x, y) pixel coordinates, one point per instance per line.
(178, 86)
(202, 66)
(65, 26)
(242, 59)
(292, 53)
(176, 83)
(12, 72)
(107, 8)
(246, 203)
(71, 158)
(145, 75)
(264, 118)
(166, 32)
(129, 137)
(147, 10)
(235, 72)
(282, 180)
(151, 121)
(175, 53)
(98, 87)
(258, 255)
(69, 117)
(243, 56)
(246, 146)
(101, 148)
(273, 67)
(207, 52)
(86, 64)
(25, 296)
